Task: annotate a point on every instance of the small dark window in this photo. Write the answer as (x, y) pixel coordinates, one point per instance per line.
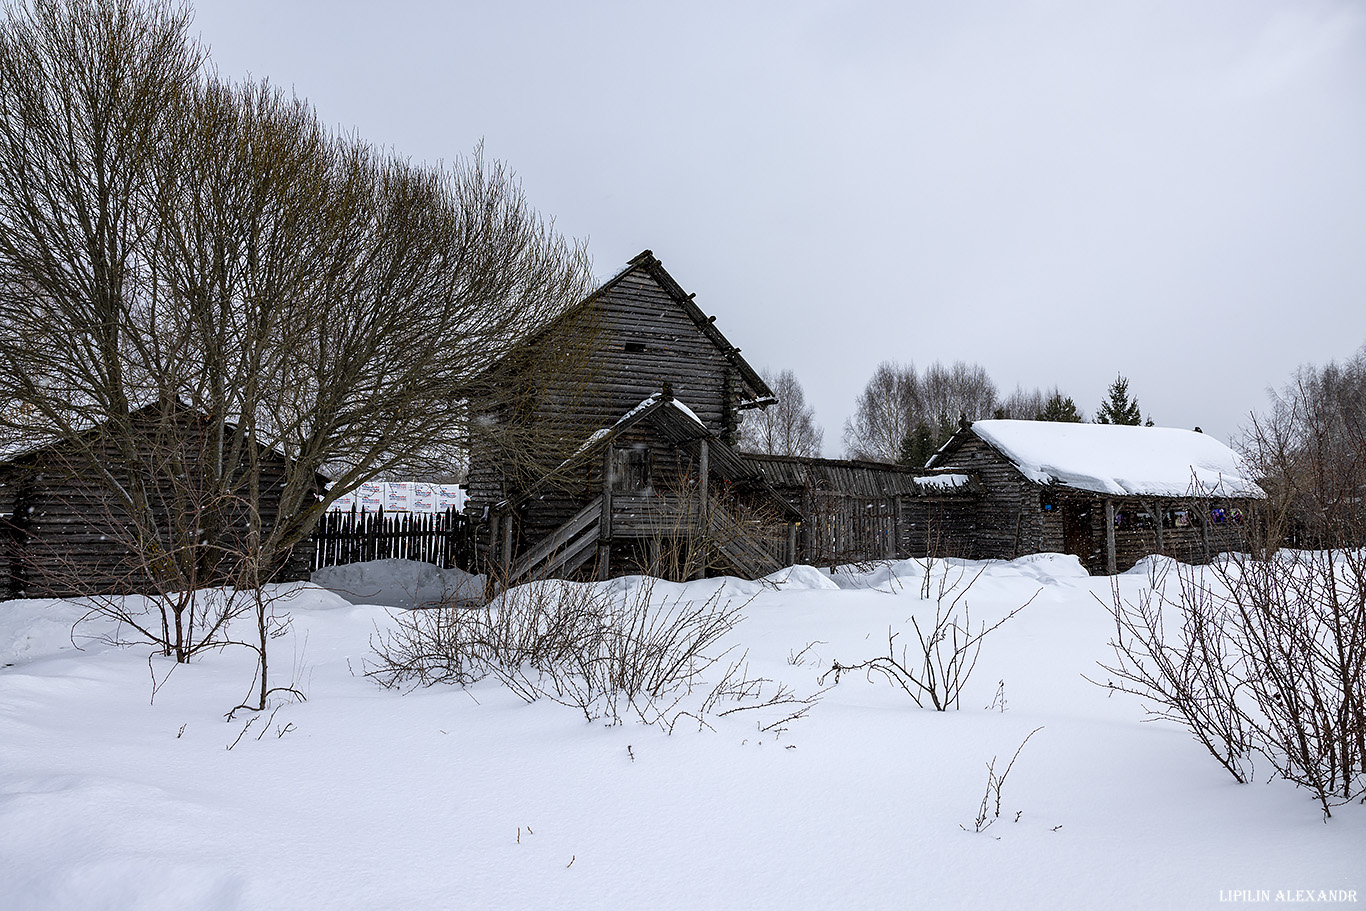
(636, 347)
(631, 469)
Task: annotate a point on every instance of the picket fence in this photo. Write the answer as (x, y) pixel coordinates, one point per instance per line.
(445, 539)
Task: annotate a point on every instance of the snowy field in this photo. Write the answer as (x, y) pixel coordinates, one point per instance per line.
(116, 796)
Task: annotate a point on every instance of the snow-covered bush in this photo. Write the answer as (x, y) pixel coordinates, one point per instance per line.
(1257, 658)
(935, 668)
(615, 651)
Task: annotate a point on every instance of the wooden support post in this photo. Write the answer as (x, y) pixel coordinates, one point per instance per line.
(1110, 537)
(791, 542)
(898, 529)
(703, 474)
(809, 549)
(1156, 512)
(507, 545)
(1205, 517)
(493, 542)
(605, 519)
(700, 531)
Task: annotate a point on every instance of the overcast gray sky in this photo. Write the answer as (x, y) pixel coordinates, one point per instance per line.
(1059, 191)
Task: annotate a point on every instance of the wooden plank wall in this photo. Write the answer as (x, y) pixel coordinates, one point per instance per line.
(68, 536)
(1010, 519)
(644, 339)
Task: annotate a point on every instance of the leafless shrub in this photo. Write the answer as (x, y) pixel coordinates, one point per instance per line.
(934, 671)
(1192, 676)
(990, 809)
(1262, 657)
(615, 652)
(691, 538)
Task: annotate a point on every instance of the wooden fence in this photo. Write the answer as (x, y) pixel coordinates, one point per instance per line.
(444, 538)
(839, 528)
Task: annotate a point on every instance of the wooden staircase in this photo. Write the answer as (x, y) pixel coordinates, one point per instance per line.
(736, 545)
(564, 551)
(739, 544)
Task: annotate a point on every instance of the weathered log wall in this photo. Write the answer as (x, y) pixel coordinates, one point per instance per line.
(64, 532)
(645, 335)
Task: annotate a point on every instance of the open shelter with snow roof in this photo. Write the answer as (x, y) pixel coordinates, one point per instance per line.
(1110, 494)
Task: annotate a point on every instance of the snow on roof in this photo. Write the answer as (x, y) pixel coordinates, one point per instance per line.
(1121, 460)
(598, 434)
(689, 412)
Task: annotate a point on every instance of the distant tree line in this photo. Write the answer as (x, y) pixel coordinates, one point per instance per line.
(904, 415)
(1309, 448)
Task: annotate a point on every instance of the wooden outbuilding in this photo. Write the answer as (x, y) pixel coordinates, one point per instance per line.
(64, 534)
(1110, 494)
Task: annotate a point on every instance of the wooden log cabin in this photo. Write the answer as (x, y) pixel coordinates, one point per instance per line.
(1109, 494)
(63, 534)
(635, 435)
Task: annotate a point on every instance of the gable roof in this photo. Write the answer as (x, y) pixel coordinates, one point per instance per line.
(754, 392)
(1113, 459)
(676, 423)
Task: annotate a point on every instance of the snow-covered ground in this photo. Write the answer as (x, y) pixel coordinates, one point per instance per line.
(116, 792)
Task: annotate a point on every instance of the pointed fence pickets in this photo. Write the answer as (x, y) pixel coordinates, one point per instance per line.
(445, 539)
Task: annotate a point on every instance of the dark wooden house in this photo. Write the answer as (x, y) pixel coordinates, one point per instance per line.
(63, 532)
(641, 427)
(1110, 494)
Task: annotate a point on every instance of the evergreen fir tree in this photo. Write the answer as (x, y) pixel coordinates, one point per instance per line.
(1118, 408)
(1061, 408)
(945, 430)
(918, 446)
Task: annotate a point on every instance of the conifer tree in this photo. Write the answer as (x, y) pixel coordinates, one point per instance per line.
(1060, 408)
(1118, 408)
(918, 446)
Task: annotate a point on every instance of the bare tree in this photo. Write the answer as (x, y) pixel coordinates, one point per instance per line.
(1311, 449)
(903, 416)
(208, 248)
(787, 427)
(885, 413)
(959, 391)
(1021, 405)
